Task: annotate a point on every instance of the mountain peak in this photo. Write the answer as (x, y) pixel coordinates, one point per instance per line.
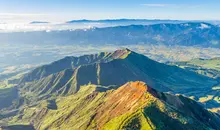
(140, 87)
(121, 53)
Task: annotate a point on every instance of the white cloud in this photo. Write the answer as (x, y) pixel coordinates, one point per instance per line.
(204, 26)
(19, 14)
(155, 5)
(171, 5)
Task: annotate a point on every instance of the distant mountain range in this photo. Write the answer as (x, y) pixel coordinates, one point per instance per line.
(146, 21)
(39, 22)
(108, 90)
(185, 34)
(125, 21)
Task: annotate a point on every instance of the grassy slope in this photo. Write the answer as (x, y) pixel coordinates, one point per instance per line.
(122, 67)
(132, 106)
(206, 63)
(208, 67)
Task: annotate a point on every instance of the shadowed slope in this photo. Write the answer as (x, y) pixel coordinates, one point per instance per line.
(72, 62)
(18, 127)
(210, 68)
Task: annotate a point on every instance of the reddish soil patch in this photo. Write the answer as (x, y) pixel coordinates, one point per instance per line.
(125, 99)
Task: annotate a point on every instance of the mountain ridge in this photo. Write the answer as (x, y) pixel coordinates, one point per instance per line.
(120, 67)
(74, 62)
(133, 105)
(123, 20)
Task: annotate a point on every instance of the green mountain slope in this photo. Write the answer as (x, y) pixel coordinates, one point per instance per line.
(97, 92)
(132, 106)
(122, 66)
(213, 63)
(71, 62)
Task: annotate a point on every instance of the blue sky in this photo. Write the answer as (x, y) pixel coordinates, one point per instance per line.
(63, 10)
